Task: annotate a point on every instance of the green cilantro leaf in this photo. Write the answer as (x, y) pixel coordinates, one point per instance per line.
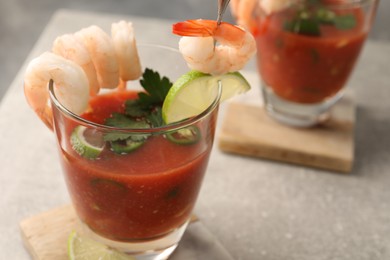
(156, 87)
(119, 120)
(148, 104)
(122, 121)
(155, 117)
(135, 108)
(115, 136)
(143, 112)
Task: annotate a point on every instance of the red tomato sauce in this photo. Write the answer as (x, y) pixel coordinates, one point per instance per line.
(307, 69)
(141, 195)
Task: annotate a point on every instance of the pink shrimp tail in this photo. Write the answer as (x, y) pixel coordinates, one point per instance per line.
(204, 28)
(197, 28)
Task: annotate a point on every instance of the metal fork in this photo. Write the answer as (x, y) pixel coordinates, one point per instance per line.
(222, 4)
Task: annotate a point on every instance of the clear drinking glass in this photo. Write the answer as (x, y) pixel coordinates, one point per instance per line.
(138, 200)
(306, 53)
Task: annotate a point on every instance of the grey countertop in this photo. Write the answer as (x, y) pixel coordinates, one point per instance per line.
(257, 209)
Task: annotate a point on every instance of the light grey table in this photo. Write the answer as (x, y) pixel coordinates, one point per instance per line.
(257, 209)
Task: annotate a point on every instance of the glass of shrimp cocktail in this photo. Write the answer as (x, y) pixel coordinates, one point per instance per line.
(132, 160)
(133, 180)
(307, 50)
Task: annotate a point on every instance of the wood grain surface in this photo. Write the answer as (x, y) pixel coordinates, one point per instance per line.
(45, 235)
(248, 130)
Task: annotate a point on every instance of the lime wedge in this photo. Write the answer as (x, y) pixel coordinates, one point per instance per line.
(87, 142)
(194, 91)
(83, 248)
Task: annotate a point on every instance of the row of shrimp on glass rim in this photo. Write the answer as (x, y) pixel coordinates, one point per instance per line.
(82, 63)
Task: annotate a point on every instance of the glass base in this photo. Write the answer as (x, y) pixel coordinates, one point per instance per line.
(154, 249)
(296, 114)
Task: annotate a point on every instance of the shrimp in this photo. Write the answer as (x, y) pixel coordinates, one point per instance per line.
(71, 85)
(235, 46)
(101, 50)
(123, 38)
(70, 48)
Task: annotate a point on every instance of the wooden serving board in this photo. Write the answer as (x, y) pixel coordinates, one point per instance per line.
(45, 235)
(248, 130)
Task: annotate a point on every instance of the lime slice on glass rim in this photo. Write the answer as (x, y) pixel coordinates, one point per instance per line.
(87, 142)
(83, 248)
(194, 92)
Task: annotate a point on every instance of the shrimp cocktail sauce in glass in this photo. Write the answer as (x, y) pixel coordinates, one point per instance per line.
(307, 50)
(135, 128)
(152, 195)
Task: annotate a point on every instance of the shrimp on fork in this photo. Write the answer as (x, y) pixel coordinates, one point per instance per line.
(235, 46)
(71, 85)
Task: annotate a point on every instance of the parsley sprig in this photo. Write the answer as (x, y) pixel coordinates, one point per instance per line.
(143, 112)
(156, 89)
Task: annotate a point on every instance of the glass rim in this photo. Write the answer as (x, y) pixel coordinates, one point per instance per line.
(161, 129)
(165, 128)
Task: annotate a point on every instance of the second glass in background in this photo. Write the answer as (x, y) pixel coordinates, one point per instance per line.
(306, 53)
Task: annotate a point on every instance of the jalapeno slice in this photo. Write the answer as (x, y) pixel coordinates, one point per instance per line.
(185, 136)
(125, 146)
